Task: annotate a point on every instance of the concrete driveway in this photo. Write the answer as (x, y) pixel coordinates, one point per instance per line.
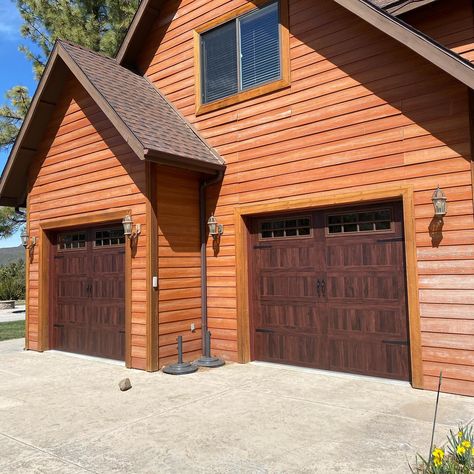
(16, 314)
(63, 414)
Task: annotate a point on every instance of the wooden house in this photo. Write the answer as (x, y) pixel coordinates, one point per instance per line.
(316, 133)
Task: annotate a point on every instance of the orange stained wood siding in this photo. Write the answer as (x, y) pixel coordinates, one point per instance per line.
(179, 268)
(450, 23)
(362, 112)
(83, 166)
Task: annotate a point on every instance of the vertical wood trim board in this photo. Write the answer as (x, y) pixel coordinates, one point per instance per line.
(152, 362)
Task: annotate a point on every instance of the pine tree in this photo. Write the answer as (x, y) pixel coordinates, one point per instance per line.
(99, 25)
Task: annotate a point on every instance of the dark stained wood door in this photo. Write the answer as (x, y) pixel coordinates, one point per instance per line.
(328, 290)
(88, 292)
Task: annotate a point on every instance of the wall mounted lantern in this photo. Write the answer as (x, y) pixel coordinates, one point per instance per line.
(215, 229)
(439, 203)
(26, 241)
(128, 228)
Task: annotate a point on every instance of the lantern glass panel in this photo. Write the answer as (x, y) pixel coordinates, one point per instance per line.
(212, 223)
(24, 239)
(127, 225)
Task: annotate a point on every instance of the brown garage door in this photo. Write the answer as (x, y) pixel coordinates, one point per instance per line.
(87, 295)
(328, 290)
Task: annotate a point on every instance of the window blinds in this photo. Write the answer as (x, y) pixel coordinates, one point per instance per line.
(260, 47)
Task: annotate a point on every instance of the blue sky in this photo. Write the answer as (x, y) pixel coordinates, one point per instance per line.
(15, 70)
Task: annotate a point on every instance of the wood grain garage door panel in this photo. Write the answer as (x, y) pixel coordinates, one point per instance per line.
(335, 297)
(88, 295)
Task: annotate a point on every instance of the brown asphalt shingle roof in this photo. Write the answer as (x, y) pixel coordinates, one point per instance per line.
(156, 124)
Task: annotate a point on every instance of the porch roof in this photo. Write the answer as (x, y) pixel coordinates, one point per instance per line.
(149, 123)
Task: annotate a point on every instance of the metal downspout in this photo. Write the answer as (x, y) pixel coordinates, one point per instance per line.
(203, 234)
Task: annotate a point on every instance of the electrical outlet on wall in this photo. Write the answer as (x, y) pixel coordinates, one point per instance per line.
(193, 327)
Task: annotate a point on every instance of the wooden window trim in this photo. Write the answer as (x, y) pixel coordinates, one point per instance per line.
(273, 86)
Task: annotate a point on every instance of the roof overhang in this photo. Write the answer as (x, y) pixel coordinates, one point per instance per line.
(418, 42)
(13, 191)
(13, 183)
(386, 22)
(147, 13)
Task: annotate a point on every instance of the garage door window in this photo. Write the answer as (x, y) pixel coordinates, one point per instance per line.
(109, 237)
(295, 227)
(72, 240)
(377, 220)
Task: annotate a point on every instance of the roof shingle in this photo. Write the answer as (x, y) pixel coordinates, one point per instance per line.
(156, 124)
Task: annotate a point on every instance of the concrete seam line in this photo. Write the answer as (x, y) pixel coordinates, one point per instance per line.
(44, 451)
(341, 407)
(159, 413)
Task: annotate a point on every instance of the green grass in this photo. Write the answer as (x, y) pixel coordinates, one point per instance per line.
(12, 330)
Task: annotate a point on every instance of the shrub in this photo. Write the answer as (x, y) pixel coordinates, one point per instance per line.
(12, 281)
(456, 458)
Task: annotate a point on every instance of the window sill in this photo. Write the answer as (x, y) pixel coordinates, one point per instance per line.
(242, 96)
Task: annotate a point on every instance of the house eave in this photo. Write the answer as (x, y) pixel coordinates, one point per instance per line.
(185, 162)
(418, 42)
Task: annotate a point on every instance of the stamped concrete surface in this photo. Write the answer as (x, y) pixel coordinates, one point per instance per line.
(63, 414)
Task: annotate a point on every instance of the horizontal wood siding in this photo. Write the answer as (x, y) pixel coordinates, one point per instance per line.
(83, 166)
(362, 112)
(179, 276)
(451, 23)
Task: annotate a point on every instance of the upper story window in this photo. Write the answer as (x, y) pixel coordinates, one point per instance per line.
(242, 56)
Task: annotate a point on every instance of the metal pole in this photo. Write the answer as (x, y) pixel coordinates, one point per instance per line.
(208, 344)
(180, 368)
(435, 415)
(180, 349)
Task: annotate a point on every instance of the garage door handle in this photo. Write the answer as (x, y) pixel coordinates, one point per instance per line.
(58, 325)
(265, 330)
(399, 343)
(318, 288)
(323, 287)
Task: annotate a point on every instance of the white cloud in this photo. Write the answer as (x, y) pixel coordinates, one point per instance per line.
(10, 21)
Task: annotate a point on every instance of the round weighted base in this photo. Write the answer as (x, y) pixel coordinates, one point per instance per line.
(180, 369)
(211, 362)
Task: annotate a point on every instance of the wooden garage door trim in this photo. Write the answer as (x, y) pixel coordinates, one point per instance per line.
(46, 231)
(243, 212)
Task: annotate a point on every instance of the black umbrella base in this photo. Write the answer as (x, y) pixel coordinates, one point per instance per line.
(180, 369)
(211, 362)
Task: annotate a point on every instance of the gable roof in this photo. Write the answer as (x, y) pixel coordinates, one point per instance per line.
(374, 12)
(151, 126)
